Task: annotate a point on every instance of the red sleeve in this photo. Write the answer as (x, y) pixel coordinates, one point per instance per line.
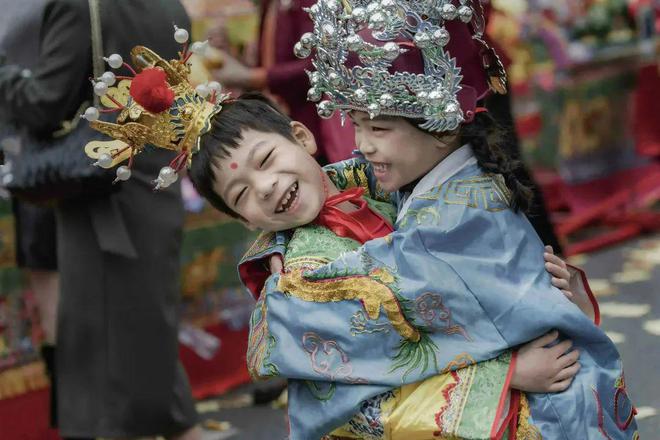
(583, 297)
(281, 76)
(508, 406)
(290, 74)
(254, 266)
(254, 274)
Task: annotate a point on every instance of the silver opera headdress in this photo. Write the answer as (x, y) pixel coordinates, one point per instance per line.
(357, 43)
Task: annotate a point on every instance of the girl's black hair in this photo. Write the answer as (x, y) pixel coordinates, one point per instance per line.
(250, 111)
(485, 136)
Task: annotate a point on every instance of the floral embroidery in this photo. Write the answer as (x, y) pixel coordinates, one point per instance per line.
(328, 359)
(260, 344)
(488, 192)
(264, 241)
(355, 173)
(423, 216)
(447, 394)
(313, 246)
(622, 403)
(368, 422)
(461, 361)
(437, 316)
(526, 431)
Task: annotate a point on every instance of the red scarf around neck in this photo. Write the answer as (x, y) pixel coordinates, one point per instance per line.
(361, 225)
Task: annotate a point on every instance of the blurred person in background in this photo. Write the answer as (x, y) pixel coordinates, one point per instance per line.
(283, 75)
(647, 96)
(36, 251)
(118, 370)
(501, 108)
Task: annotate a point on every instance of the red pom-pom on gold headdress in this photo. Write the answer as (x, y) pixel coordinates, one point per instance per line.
(157, 105)
(149, 88)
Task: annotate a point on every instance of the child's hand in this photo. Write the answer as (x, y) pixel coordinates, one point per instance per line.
(276, 264)
(557, 268)
(541, 369)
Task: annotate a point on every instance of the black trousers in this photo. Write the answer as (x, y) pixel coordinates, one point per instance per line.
(36, 243)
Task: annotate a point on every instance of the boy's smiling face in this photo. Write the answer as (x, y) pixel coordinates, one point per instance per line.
(273, 183)
(399, 152)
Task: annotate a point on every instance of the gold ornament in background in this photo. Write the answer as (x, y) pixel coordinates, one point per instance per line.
(201, 274)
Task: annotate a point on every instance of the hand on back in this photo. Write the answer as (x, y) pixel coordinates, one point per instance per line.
(543, 369)
(556, 267)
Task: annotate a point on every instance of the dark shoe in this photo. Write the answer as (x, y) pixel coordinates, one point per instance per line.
(48, 355)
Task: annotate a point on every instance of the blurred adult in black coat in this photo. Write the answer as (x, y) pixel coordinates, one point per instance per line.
(118, 373)
(34, 226)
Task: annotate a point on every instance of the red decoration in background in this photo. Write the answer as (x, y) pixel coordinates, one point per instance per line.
(149, 88)
(647, 106)
(226, 370)
(26, 417)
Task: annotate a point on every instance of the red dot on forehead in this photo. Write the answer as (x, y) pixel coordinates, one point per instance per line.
(233, 165)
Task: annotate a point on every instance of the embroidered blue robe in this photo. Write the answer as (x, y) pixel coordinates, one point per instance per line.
(461, 280)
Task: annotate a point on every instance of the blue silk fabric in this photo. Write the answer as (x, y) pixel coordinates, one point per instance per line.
(467, 273)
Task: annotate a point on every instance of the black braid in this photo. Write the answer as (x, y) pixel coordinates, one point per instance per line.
(484, 135)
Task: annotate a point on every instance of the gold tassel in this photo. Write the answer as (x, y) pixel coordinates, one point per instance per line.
(497, 84)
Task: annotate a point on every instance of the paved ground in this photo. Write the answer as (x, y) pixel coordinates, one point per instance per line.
(627, 280)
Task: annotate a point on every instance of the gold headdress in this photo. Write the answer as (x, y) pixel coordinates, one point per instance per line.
(157, 106)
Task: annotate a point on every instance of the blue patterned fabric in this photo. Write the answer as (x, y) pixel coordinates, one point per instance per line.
(467, 275)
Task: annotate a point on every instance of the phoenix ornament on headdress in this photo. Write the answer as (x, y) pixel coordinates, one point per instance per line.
(157, 106)
(341, 31)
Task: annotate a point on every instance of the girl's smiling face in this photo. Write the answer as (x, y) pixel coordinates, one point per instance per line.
(399, 151)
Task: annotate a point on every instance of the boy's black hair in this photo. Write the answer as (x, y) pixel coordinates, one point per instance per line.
(250, 111)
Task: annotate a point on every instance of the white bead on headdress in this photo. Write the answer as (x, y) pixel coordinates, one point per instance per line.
(340, 28)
